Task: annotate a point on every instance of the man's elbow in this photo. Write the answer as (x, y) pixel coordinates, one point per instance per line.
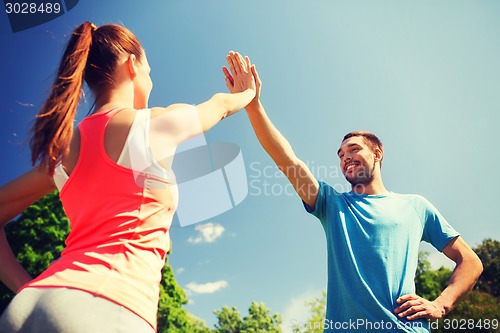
(478, 265)
(474, 265)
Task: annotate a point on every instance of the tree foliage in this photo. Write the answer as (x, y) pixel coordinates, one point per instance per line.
(37, 238)
(317, 310)
(476, 313)
(258, 320)
(229, 320)
(479, 310)
(429, 283)
(489, 253)
(172, 317)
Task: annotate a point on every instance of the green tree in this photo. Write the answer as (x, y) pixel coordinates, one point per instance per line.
(258, 320)
(478, 311)
(172, 317)
(197, 325)
(37, 238)
(228, 320)
(430, 283)
(317, 309)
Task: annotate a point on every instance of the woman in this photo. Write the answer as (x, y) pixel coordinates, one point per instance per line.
(115, 186)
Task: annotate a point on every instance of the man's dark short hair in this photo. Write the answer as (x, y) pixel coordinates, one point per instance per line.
(371, 140)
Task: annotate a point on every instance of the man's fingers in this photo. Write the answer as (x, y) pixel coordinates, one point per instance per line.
(415, 312)
(407, 312)
(403, 307)
(248, 63)
(256, 75)
(406, 297)
(420, 314)
(412, 307)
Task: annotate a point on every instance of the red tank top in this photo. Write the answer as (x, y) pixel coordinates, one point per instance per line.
(120, 224)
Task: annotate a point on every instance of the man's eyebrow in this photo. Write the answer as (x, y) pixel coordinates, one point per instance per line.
(349, 146)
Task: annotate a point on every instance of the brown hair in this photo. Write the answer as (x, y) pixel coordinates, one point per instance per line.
(92, 55)
(371, 140)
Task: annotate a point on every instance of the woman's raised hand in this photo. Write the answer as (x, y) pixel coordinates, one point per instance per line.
(239, 76)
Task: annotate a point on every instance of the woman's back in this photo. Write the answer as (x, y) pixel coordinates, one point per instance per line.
(115, 137)
(119, 217)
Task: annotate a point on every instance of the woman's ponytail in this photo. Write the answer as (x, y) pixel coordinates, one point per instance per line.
(53, 127)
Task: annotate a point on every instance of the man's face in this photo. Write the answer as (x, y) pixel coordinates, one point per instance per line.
(357, 161)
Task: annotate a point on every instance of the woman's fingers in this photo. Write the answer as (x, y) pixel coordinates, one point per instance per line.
(240, 63)
(230, 62)
(229, 77)
(237, 64)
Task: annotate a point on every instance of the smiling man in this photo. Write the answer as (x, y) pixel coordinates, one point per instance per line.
(356, 170)
(372, 235)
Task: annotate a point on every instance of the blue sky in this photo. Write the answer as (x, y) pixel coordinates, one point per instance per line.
(424, 76)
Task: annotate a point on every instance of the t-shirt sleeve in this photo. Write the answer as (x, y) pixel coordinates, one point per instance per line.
(437, 231)
(320, 208)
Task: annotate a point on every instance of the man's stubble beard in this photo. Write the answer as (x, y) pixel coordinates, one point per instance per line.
(365, 179)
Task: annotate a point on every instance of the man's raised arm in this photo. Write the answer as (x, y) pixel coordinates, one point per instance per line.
(275, 144)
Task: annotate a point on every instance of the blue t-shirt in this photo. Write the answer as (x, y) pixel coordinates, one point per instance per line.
(372, 245)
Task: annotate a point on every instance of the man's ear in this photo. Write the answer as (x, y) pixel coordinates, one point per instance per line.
(132, 66)
(379, 155)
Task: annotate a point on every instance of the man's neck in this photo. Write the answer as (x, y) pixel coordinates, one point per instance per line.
(375, 187)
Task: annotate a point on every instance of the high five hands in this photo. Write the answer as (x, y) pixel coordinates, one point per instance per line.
(241, 75)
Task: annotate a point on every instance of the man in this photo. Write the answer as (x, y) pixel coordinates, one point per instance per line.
(373, 235)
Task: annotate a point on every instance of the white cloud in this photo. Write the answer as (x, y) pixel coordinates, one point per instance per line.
(208, 233)
(296, 312)
(181, 270)
(206, 288)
